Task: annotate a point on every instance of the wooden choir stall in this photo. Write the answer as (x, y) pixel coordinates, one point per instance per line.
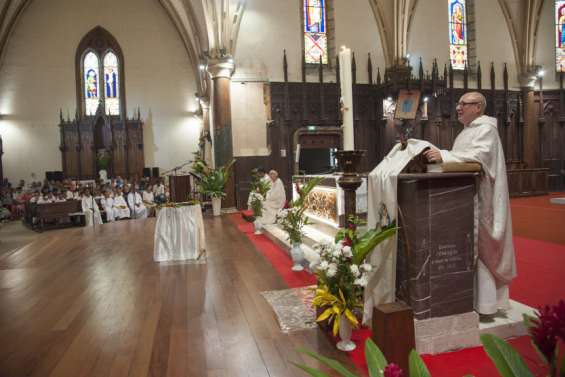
(87, 140)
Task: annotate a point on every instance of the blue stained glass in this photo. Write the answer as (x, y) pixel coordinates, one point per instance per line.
(91, 83)
(315, 16)
(457, 22)
(315, 38)
(457, 34)
(111, 84)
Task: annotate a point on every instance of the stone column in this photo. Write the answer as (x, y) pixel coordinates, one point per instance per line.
(220, 71)
(530, 131)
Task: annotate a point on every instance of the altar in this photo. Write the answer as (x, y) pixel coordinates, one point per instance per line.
(179, 234)
(326, 203)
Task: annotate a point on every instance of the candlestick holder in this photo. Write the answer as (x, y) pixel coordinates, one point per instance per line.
(350, 181)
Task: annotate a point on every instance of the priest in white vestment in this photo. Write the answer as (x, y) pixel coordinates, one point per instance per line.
(90, 208)
(135, 203)
(120, 207)
(274, 200)
(479, 142)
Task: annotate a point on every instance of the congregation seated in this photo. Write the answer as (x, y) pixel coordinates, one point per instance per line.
(90, 209)
(149, 199)
(135, 203)
(96, 202)
(120, 207)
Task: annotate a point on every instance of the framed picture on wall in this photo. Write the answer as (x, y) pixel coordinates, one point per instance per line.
(407, 104)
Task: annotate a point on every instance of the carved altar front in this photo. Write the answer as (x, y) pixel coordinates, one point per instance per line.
(326, 201)
(85, 140)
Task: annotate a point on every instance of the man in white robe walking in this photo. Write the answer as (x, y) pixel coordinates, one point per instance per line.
(479, 142)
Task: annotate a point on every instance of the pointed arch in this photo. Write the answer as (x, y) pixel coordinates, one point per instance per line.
(100, 43)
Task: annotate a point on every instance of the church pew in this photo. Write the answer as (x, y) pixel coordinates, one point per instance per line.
(56, 214)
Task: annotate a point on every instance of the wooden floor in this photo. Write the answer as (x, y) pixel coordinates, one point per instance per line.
(83, 302)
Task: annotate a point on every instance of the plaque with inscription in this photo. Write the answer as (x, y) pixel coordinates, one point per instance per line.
(435, 262)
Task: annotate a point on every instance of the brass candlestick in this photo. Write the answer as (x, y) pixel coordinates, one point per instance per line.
(350, 180)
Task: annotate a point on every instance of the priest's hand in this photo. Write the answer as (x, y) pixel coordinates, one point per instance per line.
(433, 155)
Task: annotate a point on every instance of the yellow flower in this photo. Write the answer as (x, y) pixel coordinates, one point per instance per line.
(336, 307)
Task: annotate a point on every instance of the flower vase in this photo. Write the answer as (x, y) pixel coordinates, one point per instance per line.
(345, 343)
(258, 226)
(216, 205)
(297, 256)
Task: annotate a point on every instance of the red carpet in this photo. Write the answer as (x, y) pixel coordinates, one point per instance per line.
(539, 265)
(536, 218)
(540, 272)
(274, 254)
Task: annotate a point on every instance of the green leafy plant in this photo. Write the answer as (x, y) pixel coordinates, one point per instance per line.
(545, 329)
(259, 183)
(293, 219)
(363, 245)
(259, 188)
(376, 364)
(342, 272)
(103, 159)
(257, 204)
(212, 181)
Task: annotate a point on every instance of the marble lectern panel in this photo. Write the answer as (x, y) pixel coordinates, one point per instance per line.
(435, 264)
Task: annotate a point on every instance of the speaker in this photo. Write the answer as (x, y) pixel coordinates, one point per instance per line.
(146, 172)
(155, 172)
(58, 176)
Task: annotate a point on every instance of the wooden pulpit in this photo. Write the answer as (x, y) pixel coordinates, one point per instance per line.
(436, 242)
(180, 188)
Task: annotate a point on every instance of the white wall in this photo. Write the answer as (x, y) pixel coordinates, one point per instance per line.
(267, 28)
(270, 26)
(545, 45)
(38, 77)
(429, 39)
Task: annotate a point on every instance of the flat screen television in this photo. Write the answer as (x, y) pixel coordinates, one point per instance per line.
(317, 161)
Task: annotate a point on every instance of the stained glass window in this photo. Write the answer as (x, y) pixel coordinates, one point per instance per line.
(111, 84)
(91, 83)
(457, 33)
(315, 36)
(560, 36)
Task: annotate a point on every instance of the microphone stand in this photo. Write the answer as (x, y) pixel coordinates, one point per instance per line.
(92, 206)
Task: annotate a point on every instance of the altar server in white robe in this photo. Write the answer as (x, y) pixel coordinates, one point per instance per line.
(135, 203)
(107, 203)
(479, 142)
(274, 200)
(90, 209)
(121, 209)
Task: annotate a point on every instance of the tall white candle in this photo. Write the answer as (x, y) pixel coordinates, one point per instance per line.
(346, 83)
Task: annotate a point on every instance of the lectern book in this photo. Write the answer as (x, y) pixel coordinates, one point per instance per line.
(451, 167)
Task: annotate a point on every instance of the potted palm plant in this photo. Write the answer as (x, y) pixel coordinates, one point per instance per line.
(293, 219)
(103, 160)
(213, 182)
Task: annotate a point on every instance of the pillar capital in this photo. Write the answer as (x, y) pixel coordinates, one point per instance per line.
(204, 103)
(220, 67)
(529, 77)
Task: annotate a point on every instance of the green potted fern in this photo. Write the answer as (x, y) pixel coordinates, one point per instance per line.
(213, 182)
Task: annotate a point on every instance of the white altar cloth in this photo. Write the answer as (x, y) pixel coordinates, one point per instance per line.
(179, 234)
